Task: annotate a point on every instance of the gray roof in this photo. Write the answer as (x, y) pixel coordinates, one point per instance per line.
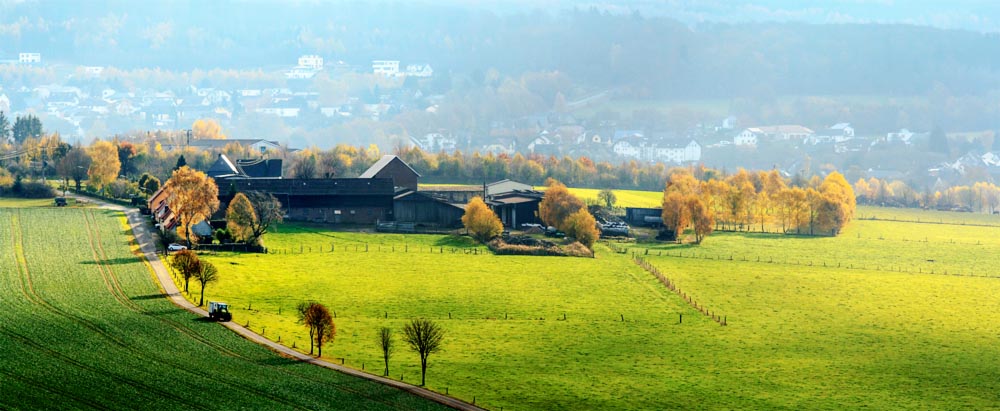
(382, 163)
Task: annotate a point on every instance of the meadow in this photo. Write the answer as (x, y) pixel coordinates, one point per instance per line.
(871, 328)
(84, 326)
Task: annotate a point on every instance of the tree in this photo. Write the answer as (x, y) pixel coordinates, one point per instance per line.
(480, 221)
(701, 218)
(4, 128)
(557, 205)
(105, 165)
(186, 263)
(387, 345)
(240, 217)
(126, 153)
(27, 127)
(424, 337)
(321, 328)
(268, 211)
(193, 197)
(149, 183)
(206, 275)
(582, 226)
(607, 197)
(74, 166)
(207, 129)
(676, 214)
(181, 162)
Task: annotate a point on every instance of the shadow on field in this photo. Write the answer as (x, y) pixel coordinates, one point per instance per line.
(149, 297)
(278, 361)
(455, 241)
(165, 312)
(113, 261)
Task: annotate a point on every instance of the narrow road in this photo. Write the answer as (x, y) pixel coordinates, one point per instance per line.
(144, 236)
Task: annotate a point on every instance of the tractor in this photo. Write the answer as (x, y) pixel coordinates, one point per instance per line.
(219, 311)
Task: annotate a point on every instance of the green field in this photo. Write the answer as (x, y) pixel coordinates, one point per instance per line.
(83, 326)
(623, 198)
(877, 331)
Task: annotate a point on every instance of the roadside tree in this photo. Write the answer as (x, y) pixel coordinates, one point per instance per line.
(387, 345)
(104, 165)
(207, 274)
(187, 264)
(74, 166)
(321, 328)
(424, 337)
(268, 211)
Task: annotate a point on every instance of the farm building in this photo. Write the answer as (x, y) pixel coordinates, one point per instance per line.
(428, 209)
(516, 207)
(506, 186)
(395, 169)
(454, 193)
(334, 200)
(644, 217)
(256, 168)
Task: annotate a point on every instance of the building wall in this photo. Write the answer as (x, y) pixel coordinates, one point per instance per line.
(427, 212)
(401, 175)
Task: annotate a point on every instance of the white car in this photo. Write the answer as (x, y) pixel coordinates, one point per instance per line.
(176, 247)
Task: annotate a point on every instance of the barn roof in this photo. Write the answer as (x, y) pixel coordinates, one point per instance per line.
(383, 163)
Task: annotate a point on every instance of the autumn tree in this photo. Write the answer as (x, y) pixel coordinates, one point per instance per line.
(187, 264)
(424, 337)
(207, 129)
(240, 217)
(583, 227)
(193, 197)
(676, 215)
(481, 222)
(607, 197)
(387, 345)
(104, 165)
(207, 274)
(701, 218)
(149, 183)
(267, 210)
(74, 166)
(557, 205)
(321, 327)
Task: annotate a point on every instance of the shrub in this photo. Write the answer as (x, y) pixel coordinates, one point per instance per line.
(35, 189)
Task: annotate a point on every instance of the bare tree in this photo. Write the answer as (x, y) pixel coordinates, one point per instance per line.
(424, 337)
(387, 344)
(206, 275)
(74, 166)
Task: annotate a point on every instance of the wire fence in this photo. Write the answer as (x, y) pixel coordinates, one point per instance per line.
(376, 248)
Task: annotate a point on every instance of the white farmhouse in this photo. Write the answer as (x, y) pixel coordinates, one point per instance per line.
(311, 61)
(419, 70)
(625, 149)
(748, 137)
(675, 152)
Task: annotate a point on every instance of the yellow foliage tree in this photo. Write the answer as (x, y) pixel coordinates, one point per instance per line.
(701, 218)
(240, 217)
(557, 205)
(105, 165)
(583, 227)
(480, 221)
(207, 129)
(193, 197)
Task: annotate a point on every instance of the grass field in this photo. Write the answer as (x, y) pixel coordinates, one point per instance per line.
(624, 198)
(800, 336)
(83, 326)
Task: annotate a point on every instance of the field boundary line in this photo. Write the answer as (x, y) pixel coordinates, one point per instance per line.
(143, 237)
(672, 286)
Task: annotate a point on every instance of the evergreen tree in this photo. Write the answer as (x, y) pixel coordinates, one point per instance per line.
(4, 127)
(181, 162)
(27, 126)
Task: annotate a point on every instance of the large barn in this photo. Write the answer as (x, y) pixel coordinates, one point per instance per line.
(335, 200)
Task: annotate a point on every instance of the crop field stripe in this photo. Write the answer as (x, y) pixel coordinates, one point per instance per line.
(36, 298)
(48, 388)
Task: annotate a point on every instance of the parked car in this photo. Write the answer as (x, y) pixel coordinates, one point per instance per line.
(176, 247)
